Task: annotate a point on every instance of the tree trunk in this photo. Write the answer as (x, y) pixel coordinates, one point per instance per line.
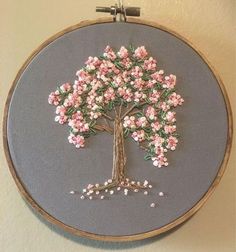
(119, 159)
(119, 178)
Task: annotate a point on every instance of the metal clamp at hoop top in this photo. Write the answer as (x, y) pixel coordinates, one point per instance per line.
(121, 10)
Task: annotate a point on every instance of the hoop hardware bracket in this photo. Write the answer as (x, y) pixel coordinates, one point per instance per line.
(121, 10)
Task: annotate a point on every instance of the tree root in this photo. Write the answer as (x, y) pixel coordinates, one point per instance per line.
(112, 186)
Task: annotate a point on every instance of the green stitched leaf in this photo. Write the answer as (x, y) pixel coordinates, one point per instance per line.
(110, 106)
(126, 132)
(146, 77)
(92, 123)
(93, 131)
(131, 48)
(147, 130)
(147, 157)
(118, 65)
(102, 58)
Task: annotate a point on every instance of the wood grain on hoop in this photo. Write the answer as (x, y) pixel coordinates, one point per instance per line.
(73, 230)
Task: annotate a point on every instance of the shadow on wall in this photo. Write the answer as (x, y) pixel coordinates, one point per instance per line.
(101, 244)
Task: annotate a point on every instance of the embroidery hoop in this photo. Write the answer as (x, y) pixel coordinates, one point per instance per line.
(72, 230)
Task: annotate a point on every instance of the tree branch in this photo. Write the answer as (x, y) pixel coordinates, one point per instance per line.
(106, 121)
(103, 128)
(120, 108)
(108, 117)
(115, 111)
(129, 110)
(144, 147)
(133, 112)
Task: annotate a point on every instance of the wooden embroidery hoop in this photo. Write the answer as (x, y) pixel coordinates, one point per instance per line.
(140, 236)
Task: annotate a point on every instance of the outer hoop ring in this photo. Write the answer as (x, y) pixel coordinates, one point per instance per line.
(25, 194)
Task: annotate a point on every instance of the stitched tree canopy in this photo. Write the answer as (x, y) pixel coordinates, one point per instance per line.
(125, 94)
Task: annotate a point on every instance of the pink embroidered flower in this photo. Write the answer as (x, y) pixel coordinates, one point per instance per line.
(170, 116)
(164, 106)
(92, 63)
(172, 143)
(99, 99)
(157, 141)
(61, 119)
(150, 83)
(169, 81)
(61, 110)
(169, 129)
(129, 122)
(123, 53)
(118, 81)
(95, 85)
(104, 68)
(154, 96)
(141, 122)
(79, 126)
(138, 83)
(151, 113)
(77, 116)
(137, 72)
(138, 136)
(78, 140)
(68, 103)
(150, 64)
(126, 76)
(79, 87)
(94, 115)
(160, 161)
(175, 100)
(95, 107)
(159, 150)
(125, 93)
(140, 52)
(83, 76)
(54, 98)
(139, 96)
(77, 122)
(126, 62)
(73, 99)
(156, 126)
(158, 76)
(91, 99)
(65, 87)
(109, 53)
(109, 95)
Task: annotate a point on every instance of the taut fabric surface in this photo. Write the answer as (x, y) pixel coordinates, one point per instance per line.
(209, 25)
(50, 167)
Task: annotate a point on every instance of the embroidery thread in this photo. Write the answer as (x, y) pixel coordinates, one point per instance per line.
(122, 93)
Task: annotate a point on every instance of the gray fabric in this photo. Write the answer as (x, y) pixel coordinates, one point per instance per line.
(50, 167)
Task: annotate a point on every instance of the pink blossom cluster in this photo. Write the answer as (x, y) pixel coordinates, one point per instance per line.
(151, 113)
(175, 100)
(129, 122)
(78, 140)
(138, 135)
(150, 64)
(160, 160)
(127, 77)
(123, 53)
(54, 98)
(77, 123)
(140, 52)
(132, 122)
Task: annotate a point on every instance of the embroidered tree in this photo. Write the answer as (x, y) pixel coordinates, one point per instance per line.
(122, 93)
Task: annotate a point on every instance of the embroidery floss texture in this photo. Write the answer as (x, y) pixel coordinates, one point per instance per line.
(125, 94)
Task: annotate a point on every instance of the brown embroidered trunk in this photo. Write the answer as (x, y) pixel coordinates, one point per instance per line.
(119, 158)
(119, 179)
